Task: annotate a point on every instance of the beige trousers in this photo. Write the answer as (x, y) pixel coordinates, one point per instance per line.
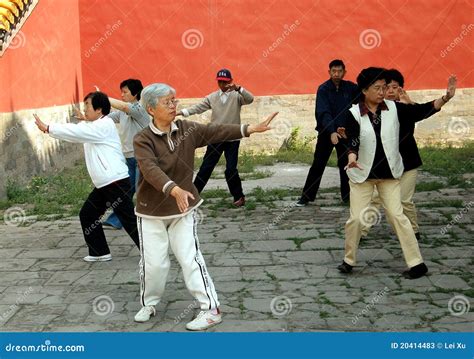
(407, 190)
(362, 213)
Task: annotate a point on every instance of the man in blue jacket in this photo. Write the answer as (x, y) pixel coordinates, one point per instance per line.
(333, 98)
(106, 166)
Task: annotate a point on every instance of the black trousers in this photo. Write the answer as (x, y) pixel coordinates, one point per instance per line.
(212, 156)
(322, 153)
(118, 196)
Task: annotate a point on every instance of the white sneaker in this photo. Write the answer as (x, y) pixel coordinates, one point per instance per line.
(145, 314)
(104, 258)
(204, 320)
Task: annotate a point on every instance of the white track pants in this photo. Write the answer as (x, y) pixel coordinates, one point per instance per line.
(155, 237)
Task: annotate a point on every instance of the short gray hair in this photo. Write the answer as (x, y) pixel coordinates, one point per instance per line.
(152, 93)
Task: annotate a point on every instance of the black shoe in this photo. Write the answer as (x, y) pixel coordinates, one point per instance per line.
(415, 272)
(418, 236)
(344, 268)
(302, 203)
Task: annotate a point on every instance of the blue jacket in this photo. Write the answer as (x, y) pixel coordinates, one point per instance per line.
(332, 103)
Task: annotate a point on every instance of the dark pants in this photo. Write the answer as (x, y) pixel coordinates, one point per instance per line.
(133, 173)
(212, 156)
(117, 196)
(322, 153)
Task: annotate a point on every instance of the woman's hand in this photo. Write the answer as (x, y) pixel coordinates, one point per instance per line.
(262, 126)
(181, 196)
(352, 162)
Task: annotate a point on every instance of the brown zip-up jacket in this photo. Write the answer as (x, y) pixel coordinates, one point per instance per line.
(166, 160)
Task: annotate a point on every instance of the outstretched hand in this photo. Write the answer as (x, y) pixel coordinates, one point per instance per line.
(40, 124)
(451, 89)
(78, 114)
(404, 98)
(262, 126)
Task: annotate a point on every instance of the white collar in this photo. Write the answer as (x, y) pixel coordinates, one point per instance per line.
(157, 131)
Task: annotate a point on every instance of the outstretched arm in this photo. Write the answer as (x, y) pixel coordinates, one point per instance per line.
(74, 132)
(450, 91)
(417, 112)
(215, 133)
(120, 105)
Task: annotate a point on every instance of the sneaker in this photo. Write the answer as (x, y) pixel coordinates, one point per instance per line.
(416, 272)
(344, 267)
(204, 320)
(104, 258)
(145, 314)
(240, 202)
(302, 203)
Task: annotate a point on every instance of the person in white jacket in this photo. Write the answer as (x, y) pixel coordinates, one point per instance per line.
(107, 168)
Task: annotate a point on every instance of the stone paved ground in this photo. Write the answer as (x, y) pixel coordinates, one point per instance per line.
(274, 268)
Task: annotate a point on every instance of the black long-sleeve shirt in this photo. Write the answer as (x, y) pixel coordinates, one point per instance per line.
(408, 115)
(332, 103)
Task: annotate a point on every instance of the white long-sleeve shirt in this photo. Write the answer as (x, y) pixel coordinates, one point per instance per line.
(102, 148)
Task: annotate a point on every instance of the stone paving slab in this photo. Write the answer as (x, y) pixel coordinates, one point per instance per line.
(274, 268)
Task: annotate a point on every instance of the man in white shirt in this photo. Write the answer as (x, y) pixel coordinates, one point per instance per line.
(106, 166)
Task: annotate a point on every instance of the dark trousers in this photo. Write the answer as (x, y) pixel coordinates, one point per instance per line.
(118, 196)
(212, 156)
(322, 153)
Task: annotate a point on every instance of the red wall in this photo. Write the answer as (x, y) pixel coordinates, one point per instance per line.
(42, 68)
(144, 39)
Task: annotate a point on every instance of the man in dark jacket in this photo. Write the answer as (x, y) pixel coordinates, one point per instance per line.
(333, 98)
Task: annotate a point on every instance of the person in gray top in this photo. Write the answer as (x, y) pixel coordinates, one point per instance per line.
(132, 119)
(225, 105)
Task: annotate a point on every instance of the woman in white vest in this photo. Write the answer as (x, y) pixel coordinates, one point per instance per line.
(373, 127)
